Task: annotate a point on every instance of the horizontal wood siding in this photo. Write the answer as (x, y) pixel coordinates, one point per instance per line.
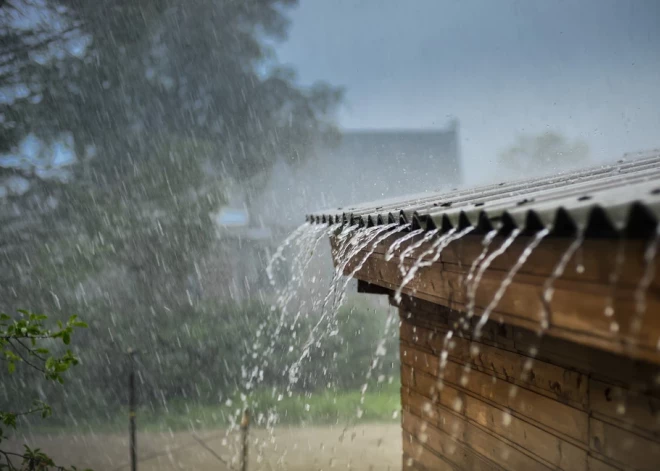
(576, 311)
(514, 401)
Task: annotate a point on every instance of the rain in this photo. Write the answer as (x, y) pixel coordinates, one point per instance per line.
(294, 235)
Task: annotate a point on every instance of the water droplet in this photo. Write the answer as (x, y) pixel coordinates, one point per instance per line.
(506, 419)
(513, 391)
(474, 350)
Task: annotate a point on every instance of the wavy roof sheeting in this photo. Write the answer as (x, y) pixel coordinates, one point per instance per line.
(604, 201)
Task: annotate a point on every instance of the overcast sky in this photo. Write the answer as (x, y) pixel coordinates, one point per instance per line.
(589, 69)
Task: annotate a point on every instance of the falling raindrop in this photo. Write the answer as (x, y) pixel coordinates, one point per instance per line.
(508, 279)
(548, 287)
(645, 281)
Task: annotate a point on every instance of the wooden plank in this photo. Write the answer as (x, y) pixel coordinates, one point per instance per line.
(623, 446)
(440, 319)
(595, 464)
(542, 261)
(625, 408)
(599, 364)
(416, 457)
(488, 446)
(537, 441)
(444, 445)
(554, 381)
(577, 307)
(554, 415)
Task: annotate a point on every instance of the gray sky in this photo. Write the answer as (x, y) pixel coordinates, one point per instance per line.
(588, 69)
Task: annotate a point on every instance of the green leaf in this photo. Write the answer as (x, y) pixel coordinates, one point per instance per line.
(11, 367)
(66, 338)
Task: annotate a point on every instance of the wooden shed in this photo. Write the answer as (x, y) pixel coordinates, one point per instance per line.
(530, 318)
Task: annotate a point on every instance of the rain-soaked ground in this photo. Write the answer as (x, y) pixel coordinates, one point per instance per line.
(364, 447)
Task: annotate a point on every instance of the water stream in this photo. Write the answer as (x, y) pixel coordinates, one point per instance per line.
(353, 247)
(508, 279)
(472, 295)
(408, 251)
(436, 249)
(397, 243)
(396, 229)
(614, 277)
(645, 282)
(548, 287)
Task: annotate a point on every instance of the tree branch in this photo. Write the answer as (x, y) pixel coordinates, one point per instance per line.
(30, 351)
(18, 352)
(9, 462)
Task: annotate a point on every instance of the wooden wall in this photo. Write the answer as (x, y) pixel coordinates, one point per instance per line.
(514, 401)
(577, 309)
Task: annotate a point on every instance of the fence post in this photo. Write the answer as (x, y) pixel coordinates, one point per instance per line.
(131, 409)
(245, 426)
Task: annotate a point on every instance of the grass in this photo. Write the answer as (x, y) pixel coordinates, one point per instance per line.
(380, 403)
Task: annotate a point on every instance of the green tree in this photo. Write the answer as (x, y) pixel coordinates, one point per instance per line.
(25, 340)
(544, 152)
(171, 98)
(164, 100)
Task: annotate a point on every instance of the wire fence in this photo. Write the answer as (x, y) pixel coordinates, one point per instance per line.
(135, 458)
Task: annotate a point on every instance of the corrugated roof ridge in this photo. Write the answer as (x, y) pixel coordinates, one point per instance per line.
(622, 197)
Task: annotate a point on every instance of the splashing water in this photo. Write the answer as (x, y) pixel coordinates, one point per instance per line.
(438, 246)
(397, 243)
(483, 263)
(306, 248)
(408, 275)
(487, 240)
(368, 254)
(304, 245)
(374, 240)
(509, 279)
(278, 256)
(362, 238)
(337, 293)
(645, 282)
(472, 295)
(548, 289)
(411, 249)
(614, 278)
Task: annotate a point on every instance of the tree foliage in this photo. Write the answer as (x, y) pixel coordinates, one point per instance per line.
(162, 102)
(25, 340)
(532, 154)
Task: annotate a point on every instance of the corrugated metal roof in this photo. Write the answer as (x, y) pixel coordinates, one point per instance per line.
(602, 201)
